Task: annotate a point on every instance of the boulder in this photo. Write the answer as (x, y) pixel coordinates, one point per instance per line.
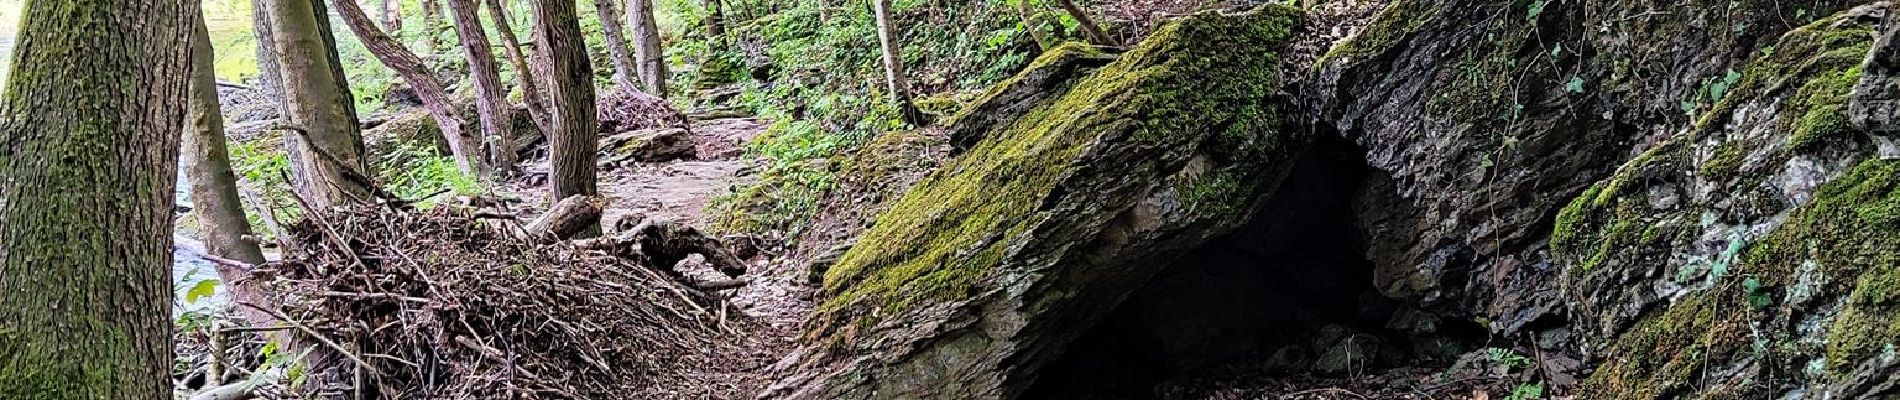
(647, 146)
(988, 267)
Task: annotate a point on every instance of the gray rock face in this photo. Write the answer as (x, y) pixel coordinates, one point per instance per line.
(1876, 98)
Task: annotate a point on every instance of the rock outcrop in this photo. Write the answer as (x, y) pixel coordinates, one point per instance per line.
(1757, 253)
(987, 268)
(1700, 198)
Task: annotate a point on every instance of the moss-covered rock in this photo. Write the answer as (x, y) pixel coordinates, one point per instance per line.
(987, 267)
(1751, 255)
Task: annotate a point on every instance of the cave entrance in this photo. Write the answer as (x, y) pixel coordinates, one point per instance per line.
(1290, 293)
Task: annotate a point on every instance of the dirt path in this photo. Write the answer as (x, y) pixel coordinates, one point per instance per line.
(680, 190)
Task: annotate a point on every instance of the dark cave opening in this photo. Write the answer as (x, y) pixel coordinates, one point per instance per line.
(1289, 293)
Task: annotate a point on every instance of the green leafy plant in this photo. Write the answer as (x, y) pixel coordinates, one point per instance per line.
(1527, 391)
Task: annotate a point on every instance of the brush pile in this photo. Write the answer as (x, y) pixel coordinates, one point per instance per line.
(441, 304)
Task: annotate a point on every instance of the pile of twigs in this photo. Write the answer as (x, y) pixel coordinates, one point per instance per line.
(622, 111)
(440, 304)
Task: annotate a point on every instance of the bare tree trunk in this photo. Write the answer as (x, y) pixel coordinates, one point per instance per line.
(624, 71)
(893, 63)
(648, 53)
(94, 107)
(1089, 27)
(571, 143)
(270, 79)
(1029, 24)
(392, 14)
(207, 164)
(715, 20)
(491, 108)
(325, 147)
(531, 93)
(431, 25)
(465, 147)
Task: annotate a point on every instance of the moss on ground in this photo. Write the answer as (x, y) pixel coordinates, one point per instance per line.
(958, 225)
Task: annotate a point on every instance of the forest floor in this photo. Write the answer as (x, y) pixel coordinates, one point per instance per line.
(776, 297)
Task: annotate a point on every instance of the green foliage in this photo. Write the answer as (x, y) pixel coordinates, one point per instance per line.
(1527, 391)
(415, 172)
(1507, 357)
(824, 91)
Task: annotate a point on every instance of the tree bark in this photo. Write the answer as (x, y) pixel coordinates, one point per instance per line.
(624, 71)
(715, 20)
(465, 147)
(491, 104)
(207, 164)
(94, 107)
(571, 143)
(648, 53)
(567, 218)
(269, 75)
(392, 14)
(893, 63)
(531, 93)
(324, 145)
(1089, 27)
(431, 24)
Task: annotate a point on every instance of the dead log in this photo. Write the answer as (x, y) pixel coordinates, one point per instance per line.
(666, 243)
(567, 218)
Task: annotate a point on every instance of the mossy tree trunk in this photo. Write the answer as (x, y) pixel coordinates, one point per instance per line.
(465, 147)
(207, 164)
(491, 106)
(91, 121)
(531, 93)
(648, 52)
(324, 143)
(571, 142)
(624, 71)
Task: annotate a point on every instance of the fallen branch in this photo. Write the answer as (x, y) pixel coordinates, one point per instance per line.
(567, 218)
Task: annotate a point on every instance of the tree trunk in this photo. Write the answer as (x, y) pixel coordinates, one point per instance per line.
(94, 107)
(571, 143)
(214, 192)
(324, 145)
(715, 20)
(531, 93)
(1089, 27)
(392, 14)
(431, 24)
(624, 71)
(491, 106)
(648, 53)
(269, 75)
(893, 63)
(465, 147)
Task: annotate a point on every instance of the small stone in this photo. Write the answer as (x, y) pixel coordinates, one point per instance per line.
(1354, 353)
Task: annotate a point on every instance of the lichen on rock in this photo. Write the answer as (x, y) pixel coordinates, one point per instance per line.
(1750, 249)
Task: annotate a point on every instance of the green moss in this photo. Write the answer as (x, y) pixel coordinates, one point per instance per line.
(1675, 348)
(958, 224)
(1848, 232)
(1726, 163)
(1810, 52)
(1822, 102)
(1400, 19)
